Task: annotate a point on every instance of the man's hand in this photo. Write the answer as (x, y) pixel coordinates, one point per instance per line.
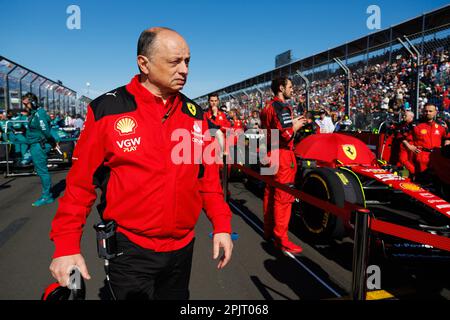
(298, 122)
(222, 240)
(61, 267)
(414, 149)
(411, 147)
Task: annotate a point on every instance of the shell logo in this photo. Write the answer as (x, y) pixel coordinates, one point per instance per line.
(423, 131)
(411, 187)
(125, 126)
(197, 128)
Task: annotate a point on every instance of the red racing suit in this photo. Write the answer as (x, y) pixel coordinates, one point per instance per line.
(277, 204)
(220, 120)
(133, 156)
(426, 136)
(400, 155)
(238, 129)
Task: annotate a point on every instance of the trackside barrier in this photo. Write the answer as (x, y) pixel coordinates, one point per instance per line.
(8, 170)
(360, 254)
(363, 224)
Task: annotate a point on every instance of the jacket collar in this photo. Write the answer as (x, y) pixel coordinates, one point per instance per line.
(138, 90)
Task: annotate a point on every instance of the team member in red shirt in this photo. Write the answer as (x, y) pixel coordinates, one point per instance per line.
(129, 148)
(400, 154)
(219, 121)
(216, 116)
(238, 126)
(277, 114)
(425, 137)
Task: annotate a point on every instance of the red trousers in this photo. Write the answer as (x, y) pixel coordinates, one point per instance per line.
(278, 204)
(405, 159)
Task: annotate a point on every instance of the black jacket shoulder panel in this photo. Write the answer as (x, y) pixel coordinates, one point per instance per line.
(116, 101)
(191, 108)
(283, 113)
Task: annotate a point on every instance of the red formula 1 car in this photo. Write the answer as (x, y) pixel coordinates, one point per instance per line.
(338, 168)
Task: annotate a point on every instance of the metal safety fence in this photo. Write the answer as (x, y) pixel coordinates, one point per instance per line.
(16, 80)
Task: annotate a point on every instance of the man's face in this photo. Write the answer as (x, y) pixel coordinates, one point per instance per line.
(429, 112)
(214, 103)
(26, 103)
(322, 116)
(169, 63)
(287, 90)
(408, 117)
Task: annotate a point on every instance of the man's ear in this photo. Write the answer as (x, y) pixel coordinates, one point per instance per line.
(143, 64)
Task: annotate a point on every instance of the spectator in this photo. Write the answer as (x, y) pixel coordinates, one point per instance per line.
(324, 122)
(78, 123)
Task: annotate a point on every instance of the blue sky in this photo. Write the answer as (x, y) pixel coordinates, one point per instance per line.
(229, 40)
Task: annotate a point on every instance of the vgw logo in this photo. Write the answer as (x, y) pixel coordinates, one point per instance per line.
(129, 145)
(373, 278)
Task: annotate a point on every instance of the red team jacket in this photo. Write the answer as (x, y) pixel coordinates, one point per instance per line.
(125, 150)
(278, 115)
(220, 120)
(426, 136)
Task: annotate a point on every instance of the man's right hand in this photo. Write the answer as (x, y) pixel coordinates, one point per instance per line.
(297, 123)
(61, 267)
(414, 149)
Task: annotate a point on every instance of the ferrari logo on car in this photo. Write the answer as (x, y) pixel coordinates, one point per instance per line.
(192, 109)
(350, 151)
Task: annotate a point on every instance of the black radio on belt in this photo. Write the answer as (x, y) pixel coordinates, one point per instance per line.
(106, 239)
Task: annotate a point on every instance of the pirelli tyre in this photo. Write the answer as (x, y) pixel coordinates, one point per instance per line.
(67, 148)
(335, 186)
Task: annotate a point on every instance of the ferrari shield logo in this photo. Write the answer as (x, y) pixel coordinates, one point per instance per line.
(350, 151)
(192, 109)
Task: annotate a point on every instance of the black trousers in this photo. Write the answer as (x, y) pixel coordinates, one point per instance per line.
(143, 274)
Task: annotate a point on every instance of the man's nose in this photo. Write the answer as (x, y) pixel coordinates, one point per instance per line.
(183, 68)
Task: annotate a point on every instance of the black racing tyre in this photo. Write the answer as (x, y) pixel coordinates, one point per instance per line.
(353, 193)
(67, 149)
(325, 184)
(3, 149)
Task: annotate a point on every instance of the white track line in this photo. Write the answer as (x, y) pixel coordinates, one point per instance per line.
(290, 254)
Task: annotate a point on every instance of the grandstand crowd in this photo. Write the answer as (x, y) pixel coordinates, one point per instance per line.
(378, 92)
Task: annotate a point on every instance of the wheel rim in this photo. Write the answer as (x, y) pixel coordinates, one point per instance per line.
(315, 220)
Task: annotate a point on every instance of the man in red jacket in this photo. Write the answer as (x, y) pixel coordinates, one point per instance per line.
(277, 114)
(424, 138)
(221, 128)
(216, 116)
(128, 150)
